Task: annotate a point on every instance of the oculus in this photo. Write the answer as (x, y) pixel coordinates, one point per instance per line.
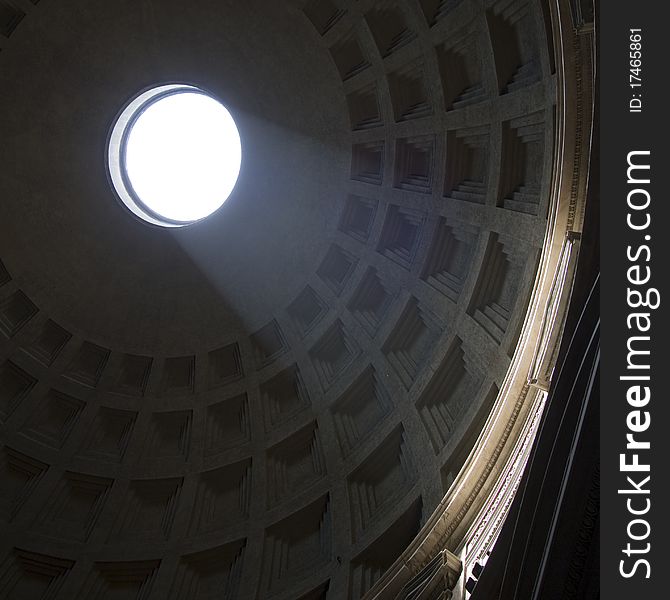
(174, 155)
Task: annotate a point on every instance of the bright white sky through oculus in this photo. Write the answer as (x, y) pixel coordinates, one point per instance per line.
(183, 156)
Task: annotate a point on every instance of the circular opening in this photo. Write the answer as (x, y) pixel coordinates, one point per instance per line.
(174, 155)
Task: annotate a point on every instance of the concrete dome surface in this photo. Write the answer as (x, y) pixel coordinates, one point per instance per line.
(281, 399)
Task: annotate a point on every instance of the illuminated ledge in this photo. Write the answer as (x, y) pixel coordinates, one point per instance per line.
(465, 525)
